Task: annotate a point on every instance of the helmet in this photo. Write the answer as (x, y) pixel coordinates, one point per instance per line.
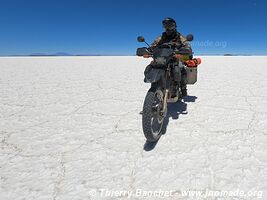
(169, 24)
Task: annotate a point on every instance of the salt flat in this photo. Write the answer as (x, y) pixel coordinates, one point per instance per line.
(70, 128)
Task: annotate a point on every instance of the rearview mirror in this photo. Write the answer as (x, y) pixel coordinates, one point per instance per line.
(140, 39)
(189, 37)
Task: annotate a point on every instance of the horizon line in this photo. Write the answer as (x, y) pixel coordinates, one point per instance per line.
(99, 55)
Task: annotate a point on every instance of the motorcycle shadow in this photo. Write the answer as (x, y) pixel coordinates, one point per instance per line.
(174, 111)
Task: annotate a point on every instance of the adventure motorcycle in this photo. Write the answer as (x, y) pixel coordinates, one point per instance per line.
(164, 74)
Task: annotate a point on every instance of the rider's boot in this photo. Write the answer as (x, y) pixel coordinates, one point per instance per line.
(183, 87)
(184, 91)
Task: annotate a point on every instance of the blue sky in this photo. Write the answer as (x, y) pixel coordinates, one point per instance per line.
(111, 26)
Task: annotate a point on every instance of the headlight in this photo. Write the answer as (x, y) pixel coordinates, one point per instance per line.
(160, 60)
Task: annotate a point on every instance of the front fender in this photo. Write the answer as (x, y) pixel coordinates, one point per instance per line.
(153, 75)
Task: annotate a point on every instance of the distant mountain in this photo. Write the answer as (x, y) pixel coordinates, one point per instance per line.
(55, 54)
(62, 54)
(229, 54)
(88, 55)
(38, 54)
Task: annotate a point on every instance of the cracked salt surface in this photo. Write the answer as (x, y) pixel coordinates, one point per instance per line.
(72, 124)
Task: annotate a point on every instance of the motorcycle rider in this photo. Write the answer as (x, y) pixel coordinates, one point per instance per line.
(172, 35)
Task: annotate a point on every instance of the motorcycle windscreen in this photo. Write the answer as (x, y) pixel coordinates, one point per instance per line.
(162, 52)
(153, 75)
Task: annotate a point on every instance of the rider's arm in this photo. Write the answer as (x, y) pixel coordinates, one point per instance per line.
(156, 41)
(186, 44)
(184, 41)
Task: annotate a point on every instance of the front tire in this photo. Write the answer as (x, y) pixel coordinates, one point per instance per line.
(152, 117)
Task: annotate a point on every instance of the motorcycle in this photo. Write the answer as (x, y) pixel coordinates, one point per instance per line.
(164, 75)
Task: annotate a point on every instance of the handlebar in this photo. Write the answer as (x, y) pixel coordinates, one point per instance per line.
(148, 52)
(170, 45)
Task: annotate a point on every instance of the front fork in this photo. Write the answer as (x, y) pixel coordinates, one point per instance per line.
(166, 92)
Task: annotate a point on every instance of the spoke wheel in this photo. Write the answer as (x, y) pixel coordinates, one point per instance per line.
(153, 116)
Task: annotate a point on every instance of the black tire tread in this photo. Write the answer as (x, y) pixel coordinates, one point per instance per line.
(147, 115)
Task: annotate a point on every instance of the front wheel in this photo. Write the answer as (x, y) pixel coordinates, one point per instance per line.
(153, 115)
